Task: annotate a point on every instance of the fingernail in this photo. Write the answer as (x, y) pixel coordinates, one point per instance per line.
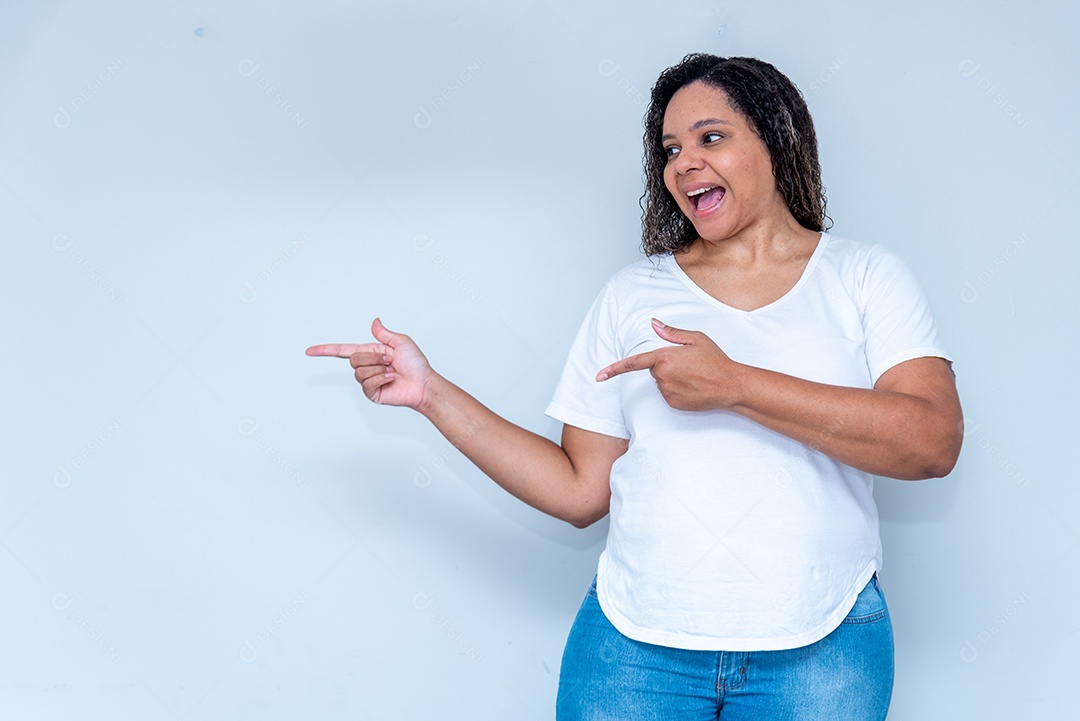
(602, 377)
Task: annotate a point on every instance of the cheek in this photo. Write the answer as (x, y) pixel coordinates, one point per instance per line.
(759, 168)
(670, 184)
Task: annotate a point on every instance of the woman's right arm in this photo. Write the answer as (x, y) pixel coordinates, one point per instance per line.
(568, 481)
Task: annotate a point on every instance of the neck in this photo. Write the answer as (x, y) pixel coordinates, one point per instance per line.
(763, 243)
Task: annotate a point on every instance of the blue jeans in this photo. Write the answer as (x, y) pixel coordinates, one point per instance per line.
(846, 676)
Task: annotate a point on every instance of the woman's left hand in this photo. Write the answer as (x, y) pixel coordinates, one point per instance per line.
(694, 375)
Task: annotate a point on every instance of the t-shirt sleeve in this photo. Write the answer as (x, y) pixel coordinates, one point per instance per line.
(580, 400)
(896, 314)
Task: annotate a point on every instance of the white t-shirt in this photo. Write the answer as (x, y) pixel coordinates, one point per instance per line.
(724, 534)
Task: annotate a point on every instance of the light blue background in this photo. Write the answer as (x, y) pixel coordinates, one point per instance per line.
(200, 522)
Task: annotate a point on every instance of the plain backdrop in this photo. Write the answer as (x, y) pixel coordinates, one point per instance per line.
(197, 521)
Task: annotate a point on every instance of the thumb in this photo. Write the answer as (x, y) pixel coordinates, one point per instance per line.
(671, 334)
(382, 334)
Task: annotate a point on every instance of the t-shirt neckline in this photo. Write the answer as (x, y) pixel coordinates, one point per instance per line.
(700, 292)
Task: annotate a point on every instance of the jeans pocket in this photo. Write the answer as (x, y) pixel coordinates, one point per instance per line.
(869, 606)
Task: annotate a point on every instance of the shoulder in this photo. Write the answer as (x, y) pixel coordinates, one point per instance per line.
(643, 272)
(844, 252)
(880, 281)
(861, 264)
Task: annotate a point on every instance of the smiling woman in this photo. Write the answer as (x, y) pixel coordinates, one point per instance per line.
(739, 578)
(752, 95)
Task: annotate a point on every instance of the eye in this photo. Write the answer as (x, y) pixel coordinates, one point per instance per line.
(671, 151)
(711, 137)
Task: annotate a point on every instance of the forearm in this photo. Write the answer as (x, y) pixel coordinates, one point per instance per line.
(881, 432)
(532, 468)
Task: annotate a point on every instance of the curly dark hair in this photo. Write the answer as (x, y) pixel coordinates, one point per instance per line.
(774, 108)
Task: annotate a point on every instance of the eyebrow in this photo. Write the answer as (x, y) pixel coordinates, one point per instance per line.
(697, 126)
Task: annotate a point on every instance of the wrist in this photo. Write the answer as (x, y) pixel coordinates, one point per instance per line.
(432, 395)
(740, 381)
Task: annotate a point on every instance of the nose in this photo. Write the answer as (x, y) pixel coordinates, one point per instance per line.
(687, 160)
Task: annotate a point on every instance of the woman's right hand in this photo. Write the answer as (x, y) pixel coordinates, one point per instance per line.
(570, 481)
(392, 372)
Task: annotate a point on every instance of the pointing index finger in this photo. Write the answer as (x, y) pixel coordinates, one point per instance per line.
(638, 362)
(344, 350)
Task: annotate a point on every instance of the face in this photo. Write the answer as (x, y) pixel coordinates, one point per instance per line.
(718, 170)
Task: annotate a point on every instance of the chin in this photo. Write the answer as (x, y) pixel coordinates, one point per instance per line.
(711, 232)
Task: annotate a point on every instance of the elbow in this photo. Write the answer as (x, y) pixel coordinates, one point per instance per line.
(944, 454)
(591, 503)
(585, 520)
(939, 469)
(923, 469)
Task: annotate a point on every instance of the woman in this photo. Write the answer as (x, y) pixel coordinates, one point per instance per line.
(739, 576)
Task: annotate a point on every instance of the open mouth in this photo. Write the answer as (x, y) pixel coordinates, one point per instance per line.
(704, 199)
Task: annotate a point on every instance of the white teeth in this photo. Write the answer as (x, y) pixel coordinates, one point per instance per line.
(692, 193)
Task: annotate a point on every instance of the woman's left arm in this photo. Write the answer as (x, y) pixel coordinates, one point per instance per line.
(909, 426)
